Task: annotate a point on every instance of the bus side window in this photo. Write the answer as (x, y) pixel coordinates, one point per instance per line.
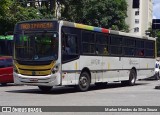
(69, 47)
(65, 46)
(70, 44)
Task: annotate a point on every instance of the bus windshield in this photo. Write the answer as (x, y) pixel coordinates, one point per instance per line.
(36, 46)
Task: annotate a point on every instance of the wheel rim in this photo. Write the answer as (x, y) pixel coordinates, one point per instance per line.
(83, 82)
(133, 78)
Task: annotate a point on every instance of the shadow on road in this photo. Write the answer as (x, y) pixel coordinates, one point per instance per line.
(8, 85)
(152, 78)
(67, 90)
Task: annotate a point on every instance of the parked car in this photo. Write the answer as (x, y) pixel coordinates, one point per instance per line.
(6, 70)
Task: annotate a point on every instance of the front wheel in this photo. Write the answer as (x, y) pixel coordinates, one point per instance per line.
(45, 88)
(84, 82)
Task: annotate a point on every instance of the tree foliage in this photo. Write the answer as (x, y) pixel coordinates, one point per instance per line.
(102, 13)
(13, 11)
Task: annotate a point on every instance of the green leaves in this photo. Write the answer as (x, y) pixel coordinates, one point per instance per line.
(12, 12)
(102, 13)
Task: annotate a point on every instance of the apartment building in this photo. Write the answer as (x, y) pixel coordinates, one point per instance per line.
(139, 16)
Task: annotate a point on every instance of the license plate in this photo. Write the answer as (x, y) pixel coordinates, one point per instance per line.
(34, 80)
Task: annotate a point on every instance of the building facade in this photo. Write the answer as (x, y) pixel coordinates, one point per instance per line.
(139, 16)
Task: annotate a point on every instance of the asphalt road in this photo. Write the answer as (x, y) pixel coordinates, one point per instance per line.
(114, 94)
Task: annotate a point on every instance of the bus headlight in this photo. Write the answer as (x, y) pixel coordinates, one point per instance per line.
(55, 69)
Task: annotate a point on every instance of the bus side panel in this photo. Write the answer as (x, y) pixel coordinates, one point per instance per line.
(70, 73)
(128, 64)
(111, 67)
(94, 64)
(146, 68)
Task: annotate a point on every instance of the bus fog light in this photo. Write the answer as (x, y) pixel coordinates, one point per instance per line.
(55, 69)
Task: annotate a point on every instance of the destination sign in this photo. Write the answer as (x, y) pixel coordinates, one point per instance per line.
(37, 25)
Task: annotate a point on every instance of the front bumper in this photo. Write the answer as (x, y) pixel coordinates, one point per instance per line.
(49, 80)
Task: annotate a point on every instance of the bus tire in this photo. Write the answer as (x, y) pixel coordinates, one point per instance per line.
(45, 88)
(132, 78)
(84, 82)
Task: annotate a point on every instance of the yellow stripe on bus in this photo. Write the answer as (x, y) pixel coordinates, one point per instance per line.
(35, 67)
(27, 72)
(76, 66)
(147, 65)
(108, 65)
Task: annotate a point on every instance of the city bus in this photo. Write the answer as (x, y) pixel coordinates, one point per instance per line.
(51, 53)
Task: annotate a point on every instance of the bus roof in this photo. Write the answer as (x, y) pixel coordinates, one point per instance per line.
(91, 28)
(103, 30)
(86, 27)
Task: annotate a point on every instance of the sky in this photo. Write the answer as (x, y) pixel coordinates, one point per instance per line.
(156, 9)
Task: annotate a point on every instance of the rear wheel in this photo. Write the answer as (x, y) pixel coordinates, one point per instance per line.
(45, 88)
(84, 82)
(132, 78)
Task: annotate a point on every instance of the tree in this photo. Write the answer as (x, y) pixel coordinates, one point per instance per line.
(12, 12)
(102, 13)
(6, 19)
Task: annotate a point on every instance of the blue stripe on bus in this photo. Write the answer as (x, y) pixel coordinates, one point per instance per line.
(97, 29)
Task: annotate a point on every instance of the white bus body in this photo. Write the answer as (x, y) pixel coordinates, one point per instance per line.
(99, 68)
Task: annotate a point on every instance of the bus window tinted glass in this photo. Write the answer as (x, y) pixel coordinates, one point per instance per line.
(88, 37)
(139, 44)
(70, 44)
(129, 42)
(149, 45)
(37, 46)
(116, 40)
(129, 51)
(102, 39)
(116, 50)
